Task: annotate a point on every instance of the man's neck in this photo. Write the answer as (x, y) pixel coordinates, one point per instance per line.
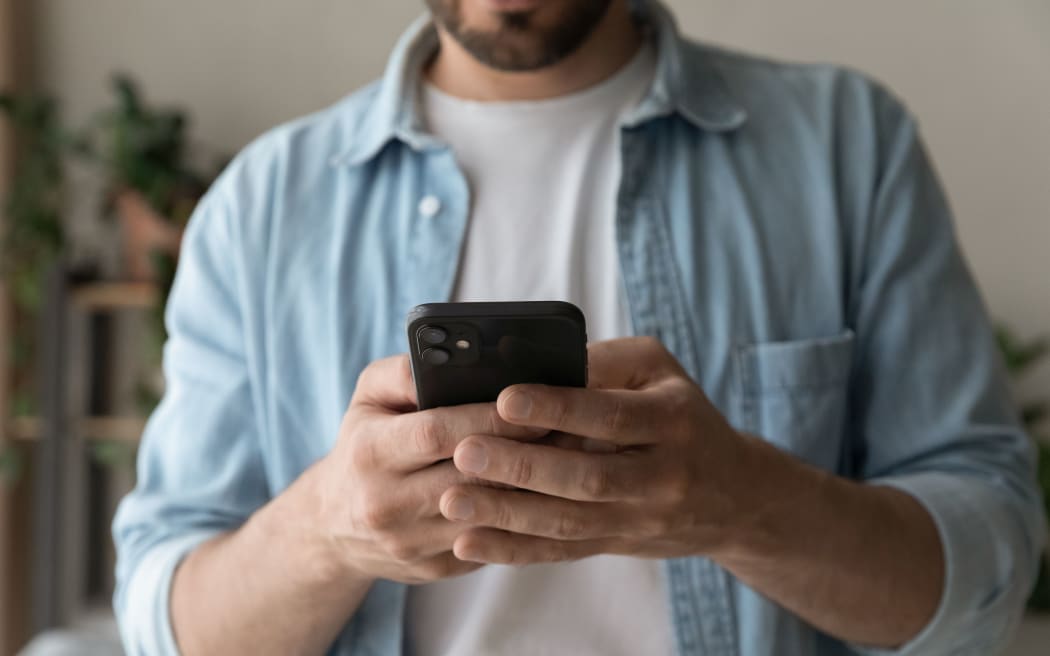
(609, 47)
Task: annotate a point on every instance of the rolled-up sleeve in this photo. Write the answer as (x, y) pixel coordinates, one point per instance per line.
(931, 404)
(200, 471)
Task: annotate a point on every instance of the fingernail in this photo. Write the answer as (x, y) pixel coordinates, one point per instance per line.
(471, 459)
(460, 508)
(518, 405)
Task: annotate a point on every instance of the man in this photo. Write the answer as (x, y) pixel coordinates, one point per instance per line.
(806, 448)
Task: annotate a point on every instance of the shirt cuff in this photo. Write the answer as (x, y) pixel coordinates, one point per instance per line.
(982, 600)
(145, 619)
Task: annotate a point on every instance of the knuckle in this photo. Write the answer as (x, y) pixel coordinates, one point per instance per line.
(400, 549)
(521, 471)
(596, 482)
(654, 527)
(492, 423)
(619, 418)
(364, 378)
(501, 514)
(675, 487)
(571, 527)
(555, 408)
(363, 456)
(404, 371)
(377, 515)
(513, 554)
(682, 393)
(426, 435)
(555, 552)
(678, 401)
(368, 378)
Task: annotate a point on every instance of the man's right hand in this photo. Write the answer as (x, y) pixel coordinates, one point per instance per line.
(378, 491)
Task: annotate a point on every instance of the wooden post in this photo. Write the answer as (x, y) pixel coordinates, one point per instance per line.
(14, 522)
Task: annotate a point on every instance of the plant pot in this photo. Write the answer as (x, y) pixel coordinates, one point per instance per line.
(145, 233)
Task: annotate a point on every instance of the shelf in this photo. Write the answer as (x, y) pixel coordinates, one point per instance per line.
(112, 429)
(101, 296)
(92, 429)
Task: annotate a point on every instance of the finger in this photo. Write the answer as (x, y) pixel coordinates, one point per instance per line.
(492, 546)
(424, 539)
(418, 495)
(628, 363)
(528, 513)
(442, 566)
(555, 471)
(577, 443)
(387, 385)
(621, 416)
(415, 440)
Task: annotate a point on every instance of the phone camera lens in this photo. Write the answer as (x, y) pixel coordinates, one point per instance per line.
(436, 356)
(433, 335)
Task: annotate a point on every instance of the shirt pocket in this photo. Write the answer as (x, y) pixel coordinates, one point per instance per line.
(795, 394)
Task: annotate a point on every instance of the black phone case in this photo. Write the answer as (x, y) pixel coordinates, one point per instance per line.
(509, 343)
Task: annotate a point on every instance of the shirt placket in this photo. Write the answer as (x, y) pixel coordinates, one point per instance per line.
(438, 231)
(699, 589)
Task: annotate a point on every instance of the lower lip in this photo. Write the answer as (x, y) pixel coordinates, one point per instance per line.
(514, 5)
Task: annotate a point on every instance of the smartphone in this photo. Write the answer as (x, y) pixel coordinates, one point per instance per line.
(468, 352)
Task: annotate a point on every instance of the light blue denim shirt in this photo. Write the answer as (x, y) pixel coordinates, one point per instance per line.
(779, 228)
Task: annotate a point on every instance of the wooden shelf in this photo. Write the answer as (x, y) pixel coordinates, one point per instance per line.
(112, 429)
(92, 429)
(96, 297)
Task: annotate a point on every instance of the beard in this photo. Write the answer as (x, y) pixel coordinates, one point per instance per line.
(522, 40)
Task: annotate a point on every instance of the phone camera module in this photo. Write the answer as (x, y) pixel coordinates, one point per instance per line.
(436, 356)
(433, 335)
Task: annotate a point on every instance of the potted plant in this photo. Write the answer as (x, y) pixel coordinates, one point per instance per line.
(151, 187)
(142, 153)
(1022, 357)
(33, 236)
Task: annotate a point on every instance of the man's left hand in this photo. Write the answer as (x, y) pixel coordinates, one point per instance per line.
(658, 474)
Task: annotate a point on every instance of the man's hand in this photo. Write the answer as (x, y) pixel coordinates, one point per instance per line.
(287, 580)
(655, 477)
(653, 470)
(377, 492)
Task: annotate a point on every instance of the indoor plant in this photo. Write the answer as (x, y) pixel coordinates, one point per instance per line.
(151, 186)
(33, 236)
(142, 155)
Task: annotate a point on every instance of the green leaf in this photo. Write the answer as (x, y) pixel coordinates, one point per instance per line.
(127, 95)
(1020, 356)
(1033, 414)
(11, 464)
(22, 404)
(114, 454)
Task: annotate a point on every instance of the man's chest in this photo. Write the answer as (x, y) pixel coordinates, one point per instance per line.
(765, 339)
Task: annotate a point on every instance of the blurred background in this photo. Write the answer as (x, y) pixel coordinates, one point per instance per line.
(116, 115)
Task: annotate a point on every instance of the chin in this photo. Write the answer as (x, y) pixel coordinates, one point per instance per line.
(519, 35)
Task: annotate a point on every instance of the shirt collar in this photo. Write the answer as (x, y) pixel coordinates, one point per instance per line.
(686, 82)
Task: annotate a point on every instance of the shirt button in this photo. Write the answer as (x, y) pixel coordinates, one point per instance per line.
(429, 206)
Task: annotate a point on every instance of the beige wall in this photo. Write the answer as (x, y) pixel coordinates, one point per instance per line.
(974, 71)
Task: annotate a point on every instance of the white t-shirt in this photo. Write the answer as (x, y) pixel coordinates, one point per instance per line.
(544, 177)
